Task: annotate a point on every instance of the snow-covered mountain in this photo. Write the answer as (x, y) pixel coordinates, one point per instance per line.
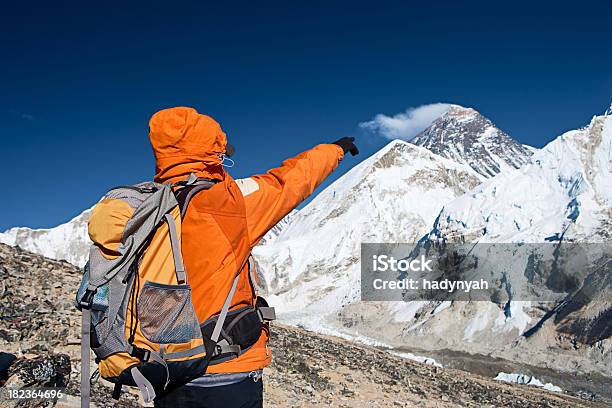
(566, 193)
(564, 196)
(278, 228)
(393, 196)
(465, 136)
(405, 193)
(68, 241)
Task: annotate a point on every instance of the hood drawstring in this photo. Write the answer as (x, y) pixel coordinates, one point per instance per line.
(225, 159)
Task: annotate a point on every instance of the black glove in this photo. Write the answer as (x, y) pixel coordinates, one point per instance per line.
(346, 143)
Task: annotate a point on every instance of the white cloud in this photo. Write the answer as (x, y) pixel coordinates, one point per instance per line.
(405, 125)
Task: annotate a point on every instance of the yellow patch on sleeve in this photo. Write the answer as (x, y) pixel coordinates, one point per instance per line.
(106, 224)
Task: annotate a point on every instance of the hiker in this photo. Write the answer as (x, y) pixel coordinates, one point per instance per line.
(216, 225)
(220, 228)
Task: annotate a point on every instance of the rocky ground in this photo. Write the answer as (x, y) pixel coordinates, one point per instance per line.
(314, 370)
(38, 323)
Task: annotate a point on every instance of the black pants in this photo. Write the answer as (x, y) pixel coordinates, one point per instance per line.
(244, 394)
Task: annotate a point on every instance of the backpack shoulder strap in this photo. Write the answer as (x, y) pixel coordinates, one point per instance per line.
(188, 190)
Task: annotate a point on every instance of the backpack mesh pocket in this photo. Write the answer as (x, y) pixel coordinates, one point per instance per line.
(166, 313)
(99, 306)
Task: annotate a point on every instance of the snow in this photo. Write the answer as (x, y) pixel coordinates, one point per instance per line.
(567, 187)
(392, 196)
(406, 311)
(68, 241)
(442, 306)
(465, 136)
(414, 357)
(526, 380)
(518, 318)
(276, 230)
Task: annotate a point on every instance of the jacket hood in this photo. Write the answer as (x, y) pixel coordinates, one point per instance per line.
(185, 141)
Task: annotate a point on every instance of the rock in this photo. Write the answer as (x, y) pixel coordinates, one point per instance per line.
(51, 370)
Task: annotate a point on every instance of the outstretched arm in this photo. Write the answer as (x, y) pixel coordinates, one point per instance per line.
(269, 197)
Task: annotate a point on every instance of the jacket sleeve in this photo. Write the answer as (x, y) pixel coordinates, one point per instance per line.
(269, 197)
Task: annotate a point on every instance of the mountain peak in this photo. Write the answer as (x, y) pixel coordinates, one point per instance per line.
(459, 111)
(564, 194)
(465, 136)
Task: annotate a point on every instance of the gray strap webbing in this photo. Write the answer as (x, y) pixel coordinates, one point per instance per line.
(144, 220)
(85, 368)
(199, 186)
(185, 353)
(181, 277)
(266, 313)
(191, 179)
(217, 330)
(157, 358)
(252, 274)
(146, 388)
(237, 318)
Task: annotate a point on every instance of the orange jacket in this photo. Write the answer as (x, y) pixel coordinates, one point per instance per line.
(224, 223)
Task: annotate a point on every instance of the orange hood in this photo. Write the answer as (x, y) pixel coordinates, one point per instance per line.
(185, 141)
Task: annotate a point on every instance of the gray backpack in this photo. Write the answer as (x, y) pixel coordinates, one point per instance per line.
(137, 312)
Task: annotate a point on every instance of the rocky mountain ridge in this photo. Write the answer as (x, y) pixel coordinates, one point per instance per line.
(467, 137)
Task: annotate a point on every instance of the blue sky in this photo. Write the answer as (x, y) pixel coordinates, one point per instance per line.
(78, 83)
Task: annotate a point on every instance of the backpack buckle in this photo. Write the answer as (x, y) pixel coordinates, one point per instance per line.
(140, 353)
(266, 314)
(87, 299)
